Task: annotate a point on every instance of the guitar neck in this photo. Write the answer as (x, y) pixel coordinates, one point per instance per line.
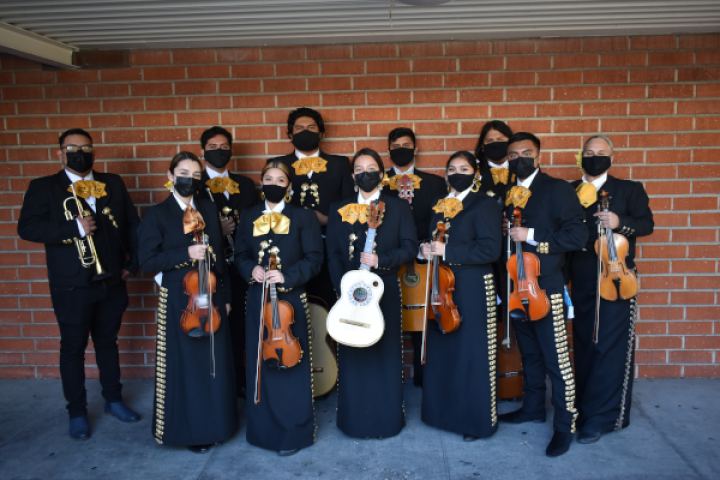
(369, 243)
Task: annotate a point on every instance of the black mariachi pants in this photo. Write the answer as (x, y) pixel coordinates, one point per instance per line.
(236, 321)
(84, 311)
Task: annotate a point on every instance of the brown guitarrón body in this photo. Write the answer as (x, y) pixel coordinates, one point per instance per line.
(413, 277)
(509, 366)
(201, 317)
(526, 300)
(280, 348)
(615, 276)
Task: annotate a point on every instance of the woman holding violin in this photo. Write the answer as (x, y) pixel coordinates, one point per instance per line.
(459, 393)
(195, 403)
(278, 248)
(370, 396)
(604, 324)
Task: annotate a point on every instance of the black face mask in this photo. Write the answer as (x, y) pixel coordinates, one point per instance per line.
(367, 181)
(522, 167)
(274, 193)
(596, 165)
(461, 181)
(306, 141)
(495, 151)
(79, 161)
(187, 186)
(402, 156)
(218, 158)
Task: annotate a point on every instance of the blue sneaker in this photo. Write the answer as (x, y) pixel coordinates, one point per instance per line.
(79, 428)
(121, 411)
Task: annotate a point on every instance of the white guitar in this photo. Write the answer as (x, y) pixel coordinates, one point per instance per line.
(356, 319)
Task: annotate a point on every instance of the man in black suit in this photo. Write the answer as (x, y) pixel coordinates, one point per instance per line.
(421, 190)
(91, 300)
(320, 179)
(232, 193)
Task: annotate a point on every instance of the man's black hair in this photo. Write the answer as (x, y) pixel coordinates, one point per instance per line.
(399, 133)
(520, 136)
(305, 112)
(74, 131)
(213, 132)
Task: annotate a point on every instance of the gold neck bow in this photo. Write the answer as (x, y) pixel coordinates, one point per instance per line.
(449, 207)
(308, 164)
(354, 212)
(192, 220)
(500, 175)
(223, 184)
(277, 222)
(87, 188)
(587, 194)
(394, 181)
(518, 196)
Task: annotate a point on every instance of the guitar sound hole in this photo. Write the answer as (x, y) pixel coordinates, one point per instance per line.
(360, 294)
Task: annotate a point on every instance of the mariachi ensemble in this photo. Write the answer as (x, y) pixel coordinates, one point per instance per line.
(280, 294)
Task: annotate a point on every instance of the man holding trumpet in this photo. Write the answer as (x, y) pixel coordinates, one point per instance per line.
(88, 224)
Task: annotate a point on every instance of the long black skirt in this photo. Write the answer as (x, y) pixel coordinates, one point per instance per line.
(192, 407)
(604, 371)
(285, 417)
(370, 394)
(459, 384)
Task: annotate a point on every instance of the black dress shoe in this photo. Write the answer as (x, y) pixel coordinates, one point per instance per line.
(559, 444)
(469, 438)
(199, 448)
(519, 416)
(79, 428)
(588, 437)
(121, 411)
(287, 453)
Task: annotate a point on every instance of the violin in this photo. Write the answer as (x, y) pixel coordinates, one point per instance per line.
(439, 296)
(201, 317)
(526, 301)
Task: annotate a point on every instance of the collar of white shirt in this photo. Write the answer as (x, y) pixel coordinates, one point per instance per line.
(528, 181)
(182, 204)
(363, 201)
(460, 196)
(598, 182)
(213, 174)
(410, 170)
(74, 178)
(505, 165)
(278, 208)
(300, 155)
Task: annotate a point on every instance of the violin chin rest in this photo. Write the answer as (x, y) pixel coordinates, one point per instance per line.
(196, 332)
(519, 314)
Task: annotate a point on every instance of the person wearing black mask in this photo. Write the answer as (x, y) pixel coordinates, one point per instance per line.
(319, 179)
(370, 394)
(284, 418)
(86, 301)
(421, 190)
(553, 226)
(491, 153)
(232, 193)
(459, 393)
(192, 369)
(604, 370)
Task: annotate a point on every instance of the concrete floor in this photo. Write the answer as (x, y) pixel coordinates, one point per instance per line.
(673, 435)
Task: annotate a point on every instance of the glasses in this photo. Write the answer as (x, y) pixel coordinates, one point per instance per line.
(75, 148)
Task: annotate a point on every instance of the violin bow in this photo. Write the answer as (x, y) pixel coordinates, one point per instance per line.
(260, 332)
(596, 332)
(506, 340)
(427, 299)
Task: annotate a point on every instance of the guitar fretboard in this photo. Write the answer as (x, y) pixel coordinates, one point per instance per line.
(369, 243)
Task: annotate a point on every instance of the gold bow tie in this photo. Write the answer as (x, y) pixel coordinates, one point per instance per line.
(87, 188)
(308, 164)
(500, 175)
(518, 196)
(223, 184)
(277, 222)
(192, 220)
(394, 181)
(587, 194)
(449, 207)
(354, 212)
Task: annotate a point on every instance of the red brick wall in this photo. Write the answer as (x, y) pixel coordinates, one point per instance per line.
(657, 97)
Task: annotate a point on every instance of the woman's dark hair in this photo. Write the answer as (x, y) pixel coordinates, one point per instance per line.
(214, 132)
(277, 164)
(491, 125)
(370, 152)
(74, 131)
(305, 112)
(467, 156)
(183, 156)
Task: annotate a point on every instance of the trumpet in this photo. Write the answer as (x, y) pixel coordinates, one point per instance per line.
(85, 246)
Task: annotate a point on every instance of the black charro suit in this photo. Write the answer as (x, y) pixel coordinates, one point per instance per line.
(237, 203)
(332, 186)
(84, 307)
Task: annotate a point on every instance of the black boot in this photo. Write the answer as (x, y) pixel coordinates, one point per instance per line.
(79, 428)
(588, 437)
(520, 416)
(559, 444)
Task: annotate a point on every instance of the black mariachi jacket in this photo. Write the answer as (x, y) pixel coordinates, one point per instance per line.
(497, 191)
(474, 234)
(164, 244)
(42, 220)
(395, 240)
(431, 188)
(555, 213)
(300, 251)
(332, 186)
(630, 203)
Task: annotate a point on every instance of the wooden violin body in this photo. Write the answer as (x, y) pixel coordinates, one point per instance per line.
(615, 276)
(443, 309)
(280, 348)
(413, 280)
(202, 316)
